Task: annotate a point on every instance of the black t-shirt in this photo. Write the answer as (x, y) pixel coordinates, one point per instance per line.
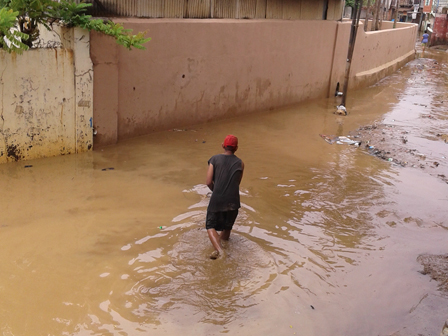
(227, 170)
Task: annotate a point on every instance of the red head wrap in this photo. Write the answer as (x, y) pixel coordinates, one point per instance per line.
(231, 141)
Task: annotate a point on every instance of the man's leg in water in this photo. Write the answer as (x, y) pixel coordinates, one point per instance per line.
(230, 218)
(225, 234)
(216, 242)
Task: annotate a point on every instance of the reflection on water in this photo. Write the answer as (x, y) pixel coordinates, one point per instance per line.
(325, 242)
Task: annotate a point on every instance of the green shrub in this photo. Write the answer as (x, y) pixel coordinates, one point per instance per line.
(10, 38)
(20, 19)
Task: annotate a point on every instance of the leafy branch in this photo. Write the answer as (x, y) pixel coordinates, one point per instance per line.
(10, 39)
(73, 15)
(19, 20)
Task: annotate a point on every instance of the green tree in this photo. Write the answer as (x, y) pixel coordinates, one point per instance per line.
(30, 13)
(10, 39)
(350, 3)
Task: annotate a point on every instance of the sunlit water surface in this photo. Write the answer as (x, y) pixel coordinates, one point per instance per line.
(325, 243)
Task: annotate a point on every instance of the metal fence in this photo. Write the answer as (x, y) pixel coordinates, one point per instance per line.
(235, 9)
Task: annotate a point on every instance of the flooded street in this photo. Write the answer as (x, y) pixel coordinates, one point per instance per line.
(326, 243)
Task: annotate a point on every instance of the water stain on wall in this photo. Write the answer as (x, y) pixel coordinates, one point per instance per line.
(13, 151)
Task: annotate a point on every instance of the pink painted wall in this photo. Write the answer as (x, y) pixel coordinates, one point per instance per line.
(379, 53)
(194, 71)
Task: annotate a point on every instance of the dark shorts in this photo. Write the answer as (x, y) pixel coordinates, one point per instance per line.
(219, 221)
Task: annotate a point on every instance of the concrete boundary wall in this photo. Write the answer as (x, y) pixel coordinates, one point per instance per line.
(380, 53)
(194, 71)
(46, 100)
(377, 54)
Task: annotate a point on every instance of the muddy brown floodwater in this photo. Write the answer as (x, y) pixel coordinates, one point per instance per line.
(113, 242)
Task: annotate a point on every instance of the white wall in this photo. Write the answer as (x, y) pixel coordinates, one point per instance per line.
(46, 100)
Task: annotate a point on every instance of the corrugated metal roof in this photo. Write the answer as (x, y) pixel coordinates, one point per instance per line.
(224, 9)
(126, 7)
(291, 9)
(274, 9)
(241, 9)
(150, 8)
(175, 8)
(198, 9)
(260, 10)
(312, 10)
(247, 9)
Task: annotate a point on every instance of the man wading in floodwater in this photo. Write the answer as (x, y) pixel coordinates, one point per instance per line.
(224, 175)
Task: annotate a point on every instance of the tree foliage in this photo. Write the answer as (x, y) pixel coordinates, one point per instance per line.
(351, 3)
(10, 39)
(20, 19)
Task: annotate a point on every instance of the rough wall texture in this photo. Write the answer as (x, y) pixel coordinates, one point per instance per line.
(46, 100)
(440, 30)
(36, 90)
(198, 70)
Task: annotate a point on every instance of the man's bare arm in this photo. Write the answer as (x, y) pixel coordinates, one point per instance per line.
(209, 179)
(242, 170)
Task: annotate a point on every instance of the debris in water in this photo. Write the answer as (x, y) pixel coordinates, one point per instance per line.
(331, 139)
(445, 329)
(428, 116)
(444, 137)
(341, 110)
(349, 141)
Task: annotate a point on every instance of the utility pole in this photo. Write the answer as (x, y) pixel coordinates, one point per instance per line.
(351, 47)
(383, 4)
(367, 15)
(378, 13)
(397, 7)
(374, 15)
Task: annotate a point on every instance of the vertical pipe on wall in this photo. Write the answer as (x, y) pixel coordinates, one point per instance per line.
(351, 47)
(332, 58)
(325, 12)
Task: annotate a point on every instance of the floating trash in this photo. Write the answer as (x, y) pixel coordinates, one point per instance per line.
(341, 110)
(331, 139)
(444, 137)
